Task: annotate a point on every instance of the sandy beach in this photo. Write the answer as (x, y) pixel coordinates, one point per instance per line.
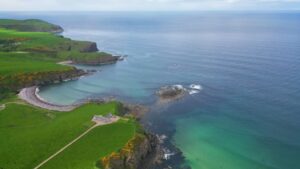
(30, 96)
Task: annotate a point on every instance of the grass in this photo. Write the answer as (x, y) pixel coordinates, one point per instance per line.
(38, 41)
(46, 44)
(88, 151)
(29, 135)
(15, 63)
(34, 25)
(17, 69)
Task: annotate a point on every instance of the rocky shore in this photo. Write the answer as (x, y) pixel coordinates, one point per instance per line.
(141, 152)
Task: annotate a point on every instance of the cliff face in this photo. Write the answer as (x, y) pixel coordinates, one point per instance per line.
(30, 25)
(21, 80)
(138, 153)
(96, 61)
(90, 47)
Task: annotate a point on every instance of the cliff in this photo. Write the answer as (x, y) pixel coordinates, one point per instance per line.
(141, 152)
(89, 47)
(21, 80)
(95, 61)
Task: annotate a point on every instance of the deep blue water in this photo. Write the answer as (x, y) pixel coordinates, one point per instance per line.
(248, 113)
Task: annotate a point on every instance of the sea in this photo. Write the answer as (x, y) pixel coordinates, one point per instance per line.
(245, 113)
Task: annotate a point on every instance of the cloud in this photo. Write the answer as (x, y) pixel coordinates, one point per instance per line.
(105, 5)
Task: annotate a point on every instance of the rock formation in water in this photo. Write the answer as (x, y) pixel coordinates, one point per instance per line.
(171, 93)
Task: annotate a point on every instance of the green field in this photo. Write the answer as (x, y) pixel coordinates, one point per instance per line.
(11, 40)
(87, 152)
(37, 53)
(47, 45)
(20, 69)
(32, 25)
(14, 63)
(29, 135)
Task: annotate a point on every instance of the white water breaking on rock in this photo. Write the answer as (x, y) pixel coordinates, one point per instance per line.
(194, 89)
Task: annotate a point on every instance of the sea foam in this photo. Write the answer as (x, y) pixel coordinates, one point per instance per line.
(195, 86)
(194, 89)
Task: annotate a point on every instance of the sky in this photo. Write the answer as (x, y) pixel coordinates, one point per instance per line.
(146, 5)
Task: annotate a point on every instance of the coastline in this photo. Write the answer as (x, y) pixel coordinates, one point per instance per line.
(146, 149)
(146, 153)
(30, 95)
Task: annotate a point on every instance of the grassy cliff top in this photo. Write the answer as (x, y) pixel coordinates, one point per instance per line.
(30, 135)
(15, 63)
(29, 25)
(24, 52)
(11, 40)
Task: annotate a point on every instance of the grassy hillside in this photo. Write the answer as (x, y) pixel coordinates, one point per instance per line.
(29, 25)
(87, 152)
(28, 56)
(29, 135)
(12, 63)
(37, 53)
(11, 40)
(18, 70)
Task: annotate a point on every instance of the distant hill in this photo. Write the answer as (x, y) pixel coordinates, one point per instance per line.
(30, 25)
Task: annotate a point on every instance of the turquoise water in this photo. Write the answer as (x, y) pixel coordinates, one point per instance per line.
(247, 114)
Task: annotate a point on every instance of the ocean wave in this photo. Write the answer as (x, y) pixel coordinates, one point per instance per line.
(191, 92)
(195, 87)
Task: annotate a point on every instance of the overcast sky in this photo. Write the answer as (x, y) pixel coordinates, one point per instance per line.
(108, 5)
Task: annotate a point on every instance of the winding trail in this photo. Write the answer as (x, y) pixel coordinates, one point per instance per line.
(2, 107)
(115, 119)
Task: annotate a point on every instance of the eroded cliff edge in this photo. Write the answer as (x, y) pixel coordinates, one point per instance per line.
(141, 152)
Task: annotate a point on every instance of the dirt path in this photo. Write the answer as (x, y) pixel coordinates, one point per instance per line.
(76, 139)
(2, 107)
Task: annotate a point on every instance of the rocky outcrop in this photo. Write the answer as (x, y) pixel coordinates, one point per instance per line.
(21, 80)
(89, 47)
(133, 110)
(141, 152)
(57, 29)
(101, 60)
(171, 93)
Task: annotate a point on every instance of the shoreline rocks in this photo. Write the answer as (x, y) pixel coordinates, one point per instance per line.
(135, 110)
(90, 47)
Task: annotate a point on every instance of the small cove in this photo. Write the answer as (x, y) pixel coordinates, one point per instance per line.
(245, 116)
